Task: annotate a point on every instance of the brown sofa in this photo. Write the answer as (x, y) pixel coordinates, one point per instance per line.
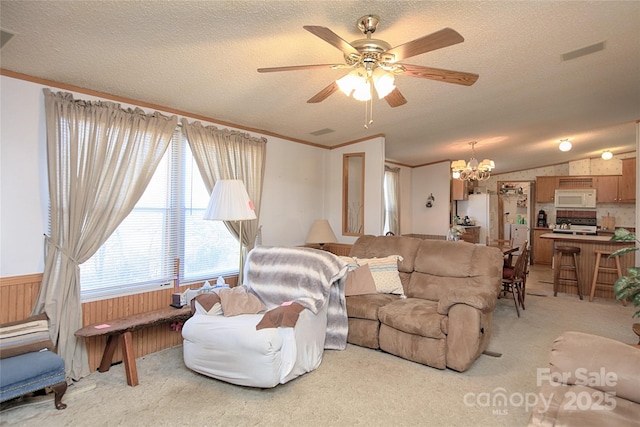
(451, 290)
(590, 381)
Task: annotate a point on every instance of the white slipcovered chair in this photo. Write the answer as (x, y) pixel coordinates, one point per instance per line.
(231, 349)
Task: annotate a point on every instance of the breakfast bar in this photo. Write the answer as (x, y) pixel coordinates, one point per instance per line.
(587, 259)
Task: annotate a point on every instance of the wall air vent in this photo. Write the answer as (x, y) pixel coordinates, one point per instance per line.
(322, 132)
(587, 50)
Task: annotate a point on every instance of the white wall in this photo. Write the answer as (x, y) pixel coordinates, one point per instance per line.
(293, 184)
(373, 198)
(23, 181)
(293, 192)
(426, 180)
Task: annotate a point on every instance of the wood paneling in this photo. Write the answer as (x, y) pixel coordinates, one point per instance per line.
(18, 295)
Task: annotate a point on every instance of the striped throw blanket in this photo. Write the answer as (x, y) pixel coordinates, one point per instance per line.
(308, 276)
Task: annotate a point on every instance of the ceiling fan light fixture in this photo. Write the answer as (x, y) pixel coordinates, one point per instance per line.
(349, 83)
(362, 91)
(607, 155)
(383, 81)
(565, 145)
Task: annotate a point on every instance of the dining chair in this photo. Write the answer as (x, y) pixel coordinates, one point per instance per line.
(503, 244)
(514, 278)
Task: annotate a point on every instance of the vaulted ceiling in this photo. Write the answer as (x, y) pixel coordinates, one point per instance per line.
(202, 57)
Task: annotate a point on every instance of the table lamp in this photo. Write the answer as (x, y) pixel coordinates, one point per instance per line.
(321, 233)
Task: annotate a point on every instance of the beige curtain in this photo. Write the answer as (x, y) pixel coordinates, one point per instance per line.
(100, 160)
(225, 154)
(391, 196)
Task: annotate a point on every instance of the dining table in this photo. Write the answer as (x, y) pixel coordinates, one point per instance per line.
(508, 252)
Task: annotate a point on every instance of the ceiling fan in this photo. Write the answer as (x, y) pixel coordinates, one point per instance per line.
(370, 58)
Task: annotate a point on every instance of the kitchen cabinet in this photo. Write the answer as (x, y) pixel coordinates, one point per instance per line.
(606, 188)
(627, 182)
(542, 248)
(471, 234)
(545, 188)
(617, 188)
(460, 190)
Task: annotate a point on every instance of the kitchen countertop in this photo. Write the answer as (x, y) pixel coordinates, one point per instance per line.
(579, 238)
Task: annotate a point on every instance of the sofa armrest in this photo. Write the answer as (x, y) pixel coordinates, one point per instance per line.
(597, 362)
(482, 299)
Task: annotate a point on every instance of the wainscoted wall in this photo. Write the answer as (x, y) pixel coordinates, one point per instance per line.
(18, 295)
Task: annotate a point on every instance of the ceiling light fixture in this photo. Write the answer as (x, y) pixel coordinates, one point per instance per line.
(361, 82)
(565, 145)
(472, 171)
(607, 155)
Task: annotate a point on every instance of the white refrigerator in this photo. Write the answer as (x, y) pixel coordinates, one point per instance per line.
(483, 209)
(519, 233)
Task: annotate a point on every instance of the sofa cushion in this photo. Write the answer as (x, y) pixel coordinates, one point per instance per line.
(25, 336)
(381, 246)
(413, 316)
(367, 306)
(442, 267)
(29, 372)
(575, 353)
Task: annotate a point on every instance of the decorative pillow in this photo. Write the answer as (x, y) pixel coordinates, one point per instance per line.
(208, 304)
(285, 316)
(385, 273)
(360, 282)
(25, 336)
(238, 301)
(352, 264)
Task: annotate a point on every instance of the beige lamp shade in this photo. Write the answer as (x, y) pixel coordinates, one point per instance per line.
(229, 202)
(321, 232)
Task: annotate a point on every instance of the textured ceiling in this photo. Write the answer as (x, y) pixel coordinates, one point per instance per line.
(201, 57)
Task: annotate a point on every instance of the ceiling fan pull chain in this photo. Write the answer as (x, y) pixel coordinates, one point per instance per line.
(368, 108)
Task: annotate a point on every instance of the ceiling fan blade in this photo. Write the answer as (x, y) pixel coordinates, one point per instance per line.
(447, 76)
(395, 98)
(301, 67)
(323, 94)
(439, 39)
(332, 38)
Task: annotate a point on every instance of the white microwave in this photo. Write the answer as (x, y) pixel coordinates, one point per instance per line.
(585, 199)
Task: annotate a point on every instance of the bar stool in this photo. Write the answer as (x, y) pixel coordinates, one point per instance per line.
(599, 268)
(573, 253)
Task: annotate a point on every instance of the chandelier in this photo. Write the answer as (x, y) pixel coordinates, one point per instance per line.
(361, 83)
(472, 171)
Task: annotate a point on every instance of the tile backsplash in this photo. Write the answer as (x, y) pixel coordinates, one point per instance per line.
(625, 214)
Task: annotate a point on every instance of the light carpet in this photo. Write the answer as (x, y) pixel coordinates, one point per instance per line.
(354, 387)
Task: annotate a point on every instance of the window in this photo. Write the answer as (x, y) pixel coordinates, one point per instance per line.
(391, 204)
(166, 225)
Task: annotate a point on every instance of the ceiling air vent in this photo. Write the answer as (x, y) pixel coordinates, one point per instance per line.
(587, 50)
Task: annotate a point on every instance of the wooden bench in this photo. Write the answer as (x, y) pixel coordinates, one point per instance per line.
(122, 328)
